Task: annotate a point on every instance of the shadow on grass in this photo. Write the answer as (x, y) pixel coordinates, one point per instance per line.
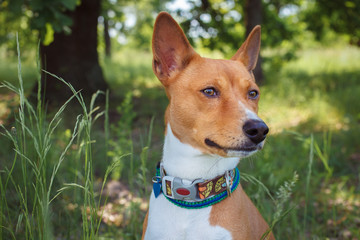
(341, 89)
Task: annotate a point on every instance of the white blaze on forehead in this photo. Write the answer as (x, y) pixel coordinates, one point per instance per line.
(249, 114)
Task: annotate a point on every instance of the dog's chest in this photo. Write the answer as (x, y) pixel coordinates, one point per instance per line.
(167, 221)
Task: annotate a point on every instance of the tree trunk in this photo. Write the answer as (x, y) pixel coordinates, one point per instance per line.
(74, 57)
(107, 39)
(253, 17)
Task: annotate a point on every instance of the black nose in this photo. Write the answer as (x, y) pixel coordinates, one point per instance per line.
(256, 130)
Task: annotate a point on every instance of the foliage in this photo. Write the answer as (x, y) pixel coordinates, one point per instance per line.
(220, 24)
(144, 12)
(209, 23)
(131, 22)
(42, 15)
(113, 12)
(339, 16)
(122, 130)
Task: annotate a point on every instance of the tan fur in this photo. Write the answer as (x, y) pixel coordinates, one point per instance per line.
(239, 215)
(145, 223)
(192, 115)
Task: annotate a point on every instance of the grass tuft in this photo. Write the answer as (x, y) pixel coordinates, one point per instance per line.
(34, 171)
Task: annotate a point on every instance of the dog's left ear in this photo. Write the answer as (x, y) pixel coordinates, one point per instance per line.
(249, 51)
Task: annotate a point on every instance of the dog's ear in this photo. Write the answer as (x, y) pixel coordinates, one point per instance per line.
(172, 51)
(249, 51)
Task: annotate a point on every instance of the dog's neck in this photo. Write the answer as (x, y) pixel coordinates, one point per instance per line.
(184, 161)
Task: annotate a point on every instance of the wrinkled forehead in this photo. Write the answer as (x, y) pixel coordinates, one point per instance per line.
(219, 71)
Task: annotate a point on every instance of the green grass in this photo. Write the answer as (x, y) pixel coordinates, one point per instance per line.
(48, 171)
(311, 105)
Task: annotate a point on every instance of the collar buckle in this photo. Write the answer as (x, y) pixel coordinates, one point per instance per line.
(181, 189)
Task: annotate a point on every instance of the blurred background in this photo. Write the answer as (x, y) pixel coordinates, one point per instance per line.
(77, 165)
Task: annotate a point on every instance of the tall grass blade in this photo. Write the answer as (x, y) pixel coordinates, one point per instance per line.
(282, 196)
(107, 125)
(249, 178)
(324, 154)
(308, 177)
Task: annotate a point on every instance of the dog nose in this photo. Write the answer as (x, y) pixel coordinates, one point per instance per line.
(256, 130)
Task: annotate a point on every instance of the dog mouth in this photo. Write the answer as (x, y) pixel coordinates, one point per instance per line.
(243, 150)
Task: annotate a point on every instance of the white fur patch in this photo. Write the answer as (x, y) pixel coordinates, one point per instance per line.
(168, 221)
(240, 154)
(249, 114)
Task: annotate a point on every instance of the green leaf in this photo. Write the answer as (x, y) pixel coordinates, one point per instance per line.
(49, 35)
(350, 4)
(69, 4)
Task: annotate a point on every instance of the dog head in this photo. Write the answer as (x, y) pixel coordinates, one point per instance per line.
(213, 103)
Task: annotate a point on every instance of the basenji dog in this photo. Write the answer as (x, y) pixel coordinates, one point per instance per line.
(211, 123)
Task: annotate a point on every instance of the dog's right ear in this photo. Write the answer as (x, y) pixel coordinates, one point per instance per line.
(172, 51)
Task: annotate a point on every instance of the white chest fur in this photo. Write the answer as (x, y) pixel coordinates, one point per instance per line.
(170, 222)
(167, 221)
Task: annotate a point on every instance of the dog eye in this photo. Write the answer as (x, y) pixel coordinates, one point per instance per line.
(210, 92)
(253, 94)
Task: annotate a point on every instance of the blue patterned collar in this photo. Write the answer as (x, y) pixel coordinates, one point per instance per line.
(195, 194)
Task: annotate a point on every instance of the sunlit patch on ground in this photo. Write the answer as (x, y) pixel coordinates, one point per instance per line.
(339, 206)
(121, 203)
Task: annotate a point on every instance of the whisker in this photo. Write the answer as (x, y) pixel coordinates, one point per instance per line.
(216, 162)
